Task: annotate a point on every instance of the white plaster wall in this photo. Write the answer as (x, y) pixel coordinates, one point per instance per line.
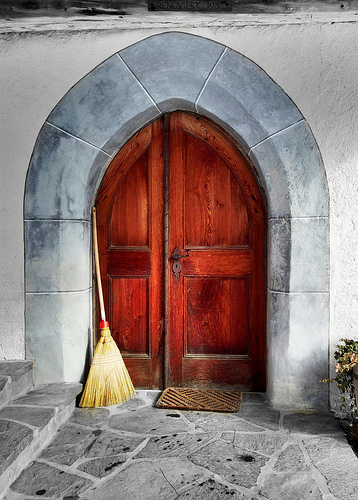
(314, 59)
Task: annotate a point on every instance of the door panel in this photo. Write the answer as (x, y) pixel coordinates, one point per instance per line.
(214, 339)
(130, 226)
(129, 299)
(216, 316)
(215, 212)
(205, 328)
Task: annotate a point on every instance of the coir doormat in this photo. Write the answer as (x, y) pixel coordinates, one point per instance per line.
(179, 398)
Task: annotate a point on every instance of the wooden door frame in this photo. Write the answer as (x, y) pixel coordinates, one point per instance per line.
(217, 139)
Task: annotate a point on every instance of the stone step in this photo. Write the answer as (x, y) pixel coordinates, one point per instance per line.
(15, 379)
(29, 423)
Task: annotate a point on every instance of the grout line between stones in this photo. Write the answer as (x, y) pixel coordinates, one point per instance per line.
(78, 138)
(268, 468)
(208, 78)
(167, 480)
(139, 82)
(320, 479)
(275, 133)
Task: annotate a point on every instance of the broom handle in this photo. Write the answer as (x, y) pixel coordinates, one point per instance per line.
(96, 259)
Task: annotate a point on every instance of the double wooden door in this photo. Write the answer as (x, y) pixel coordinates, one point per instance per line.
(181, 227)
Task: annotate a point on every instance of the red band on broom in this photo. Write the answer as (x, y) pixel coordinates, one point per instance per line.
(108, 381)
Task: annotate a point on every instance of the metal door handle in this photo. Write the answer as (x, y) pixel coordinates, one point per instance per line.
(176, 256)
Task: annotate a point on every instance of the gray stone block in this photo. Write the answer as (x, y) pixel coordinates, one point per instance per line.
(265, 443)
(291, 459)
(57, 396)
(174, 446)
(57, 256)
(15, 379)
(109, 443)
(14, 438)
(235, 464)
(63, 175)
(260, 415)
(5, 391)
(291, 486)
(173, 67)
(298, 349)
(59, 335)
(312, 424)
(14, 369)
(337, 463)
(91, 417)
(211, 422)
(299, 256)
(291, 169)
(149, 421)
(180, 472)
(43, 480)
(211, 490)
(103, 106)
(36, 417)
(241, 96)
(102, 467)
(138, 481)
(27, 426)
(69, 445)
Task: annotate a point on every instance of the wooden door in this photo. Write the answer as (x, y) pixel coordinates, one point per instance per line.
(181, 184)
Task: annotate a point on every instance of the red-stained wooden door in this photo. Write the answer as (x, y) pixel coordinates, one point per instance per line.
(181, 183)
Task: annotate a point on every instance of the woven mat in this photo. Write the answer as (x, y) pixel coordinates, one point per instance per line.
(180, 398)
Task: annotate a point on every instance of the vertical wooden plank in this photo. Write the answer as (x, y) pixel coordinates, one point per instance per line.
(156, 236)
(176, 239)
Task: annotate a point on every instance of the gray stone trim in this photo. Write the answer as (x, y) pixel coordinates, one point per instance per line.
(207, 80)
(59, 334)
(77, 138)
(163, 73)
(57, 255)
(139, 82)
(294, 179)
(298, 349)
(298, 260)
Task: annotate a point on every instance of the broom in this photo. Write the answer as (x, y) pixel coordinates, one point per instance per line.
(108, 381)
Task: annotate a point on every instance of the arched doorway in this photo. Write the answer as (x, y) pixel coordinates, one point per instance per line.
(180, 185)
(161, 74)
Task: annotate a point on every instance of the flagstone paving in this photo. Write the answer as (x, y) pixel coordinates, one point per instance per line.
(136, 451)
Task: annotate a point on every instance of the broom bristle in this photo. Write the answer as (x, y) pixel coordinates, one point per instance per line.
(108, 382)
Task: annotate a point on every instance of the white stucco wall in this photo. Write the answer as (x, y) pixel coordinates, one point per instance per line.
(313, 58)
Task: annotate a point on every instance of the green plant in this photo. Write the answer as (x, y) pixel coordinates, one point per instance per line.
(346, 356)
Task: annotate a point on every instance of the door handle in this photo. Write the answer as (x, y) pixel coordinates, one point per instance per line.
(176, 256)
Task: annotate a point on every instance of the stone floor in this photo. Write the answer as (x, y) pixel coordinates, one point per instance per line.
(135, 451)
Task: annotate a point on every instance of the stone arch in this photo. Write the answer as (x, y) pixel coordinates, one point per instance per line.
(95, 118)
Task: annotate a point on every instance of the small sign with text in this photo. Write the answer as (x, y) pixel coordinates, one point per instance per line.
(191, 5)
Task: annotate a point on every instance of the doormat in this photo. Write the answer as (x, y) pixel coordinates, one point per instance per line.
(179, 398)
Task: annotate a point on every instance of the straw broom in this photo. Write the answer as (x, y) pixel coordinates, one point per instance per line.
(108, 381)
